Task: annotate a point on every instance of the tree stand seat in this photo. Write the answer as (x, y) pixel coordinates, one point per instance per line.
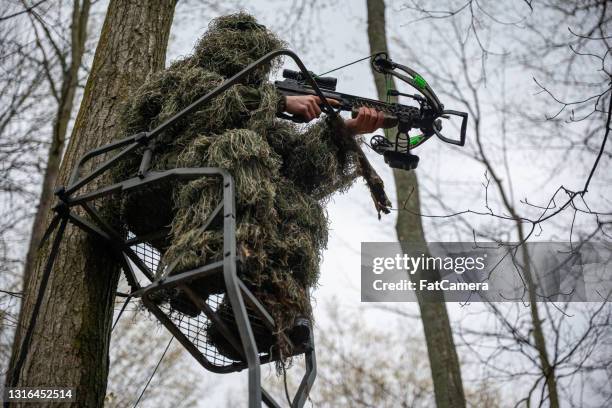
(233, 345)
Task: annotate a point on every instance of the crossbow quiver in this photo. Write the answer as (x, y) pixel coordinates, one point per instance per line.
(139, 259)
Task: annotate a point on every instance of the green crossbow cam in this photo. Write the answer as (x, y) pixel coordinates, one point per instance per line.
(426, 117)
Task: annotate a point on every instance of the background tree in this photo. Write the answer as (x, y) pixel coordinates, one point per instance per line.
(43, 52)
(444, 363)
(482, 77)
(63, 84)
(59, 61)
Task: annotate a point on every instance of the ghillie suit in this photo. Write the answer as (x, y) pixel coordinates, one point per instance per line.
(283, 175)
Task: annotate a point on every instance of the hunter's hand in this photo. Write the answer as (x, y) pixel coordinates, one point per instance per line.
(306, 106)
(367, 121)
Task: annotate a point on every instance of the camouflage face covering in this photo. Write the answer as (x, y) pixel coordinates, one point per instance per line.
(232, 42)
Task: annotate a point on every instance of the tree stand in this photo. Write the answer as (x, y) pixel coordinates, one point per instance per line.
(134, 253)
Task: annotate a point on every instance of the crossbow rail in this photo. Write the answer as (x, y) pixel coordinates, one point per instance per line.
(134, 254)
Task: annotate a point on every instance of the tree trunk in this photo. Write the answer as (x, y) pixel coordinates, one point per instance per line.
(69, 346)
(443, 360)
(78, 29)
(548, 371)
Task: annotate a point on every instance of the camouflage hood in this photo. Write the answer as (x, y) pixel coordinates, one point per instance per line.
(234, 41)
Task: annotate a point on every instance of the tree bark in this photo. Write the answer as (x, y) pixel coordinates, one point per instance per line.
(69, 345)
(443, 360)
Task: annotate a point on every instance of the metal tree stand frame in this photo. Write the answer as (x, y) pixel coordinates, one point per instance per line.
(134, 253)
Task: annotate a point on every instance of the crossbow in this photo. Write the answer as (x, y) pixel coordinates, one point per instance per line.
(426, 117)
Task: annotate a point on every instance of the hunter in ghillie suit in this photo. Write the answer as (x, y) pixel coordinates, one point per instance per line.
(284, 174)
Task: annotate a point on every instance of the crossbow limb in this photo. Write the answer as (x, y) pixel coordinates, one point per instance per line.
(431, 109)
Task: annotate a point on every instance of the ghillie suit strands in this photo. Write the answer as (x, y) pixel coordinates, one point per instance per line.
(283, 175)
